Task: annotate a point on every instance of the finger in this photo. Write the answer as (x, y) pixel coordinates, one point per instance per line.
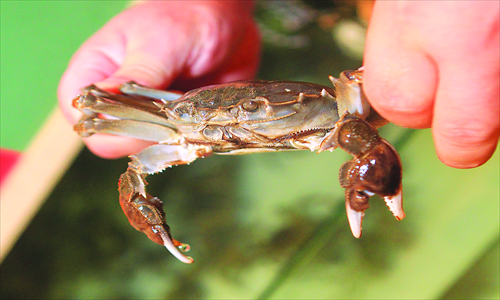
(244, 61)
(150, 62)
(143, 68)
(399, 79)
(467, 109)
(111, 146)
(466, 117)
(241, 52)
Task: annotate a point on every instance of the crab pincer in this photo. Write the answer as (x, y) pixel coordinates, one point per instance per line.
(145, 213)
(375, 169)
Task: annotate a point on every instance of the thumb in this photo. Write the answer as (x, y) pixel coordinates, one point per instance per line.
(143, 68)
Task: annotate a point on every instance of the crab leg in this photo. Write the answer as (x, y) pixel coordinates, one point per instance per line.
(95, 101)
(145, 213)
(140, 119)
(90, 124)
(132, 88)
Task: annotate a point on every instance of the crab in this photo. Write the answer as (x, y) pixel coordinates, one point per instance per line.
(244, 117)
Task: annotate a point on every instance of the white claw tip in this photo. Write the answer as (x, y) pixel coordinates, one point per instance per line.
(167, 242)
(395, 204)
(355, 219)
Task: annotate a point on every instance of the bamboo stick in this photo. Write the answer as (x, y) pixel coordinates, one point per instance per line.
(34, 176)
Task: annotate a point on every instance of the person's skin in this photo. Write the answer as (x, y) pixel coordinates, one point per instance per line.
(436, 64)
(179, 45)
(427, 64)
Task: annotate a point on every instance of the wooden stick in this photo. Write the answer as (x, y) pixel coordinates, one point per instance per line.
(34, 176)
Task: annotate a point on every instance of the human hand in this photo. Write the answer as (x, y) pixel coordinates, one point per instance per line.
(162, 44)
(436, 64)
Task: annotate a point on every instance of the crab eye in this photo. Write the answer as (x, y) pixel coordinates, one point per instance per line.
(250, 105)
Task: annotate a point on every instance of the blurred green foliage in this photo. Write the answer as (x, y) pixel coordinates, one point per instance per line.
(37, 39)
(269, 225)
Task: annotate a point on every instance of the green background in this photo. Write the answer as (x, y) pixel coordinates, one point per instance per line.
(260, 226)
(38, 39)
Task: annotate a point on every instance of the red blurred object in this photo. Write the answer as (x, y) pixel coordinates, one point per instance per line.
(8, 159)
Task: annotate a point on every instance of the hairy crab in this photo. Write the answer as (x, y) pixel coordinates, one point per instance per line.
(244, 117)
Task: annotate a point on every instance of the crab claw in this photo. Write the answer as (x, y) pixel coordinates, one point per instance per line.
(374, 169)
(395, 204)
(145, 213)
(355, 219)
